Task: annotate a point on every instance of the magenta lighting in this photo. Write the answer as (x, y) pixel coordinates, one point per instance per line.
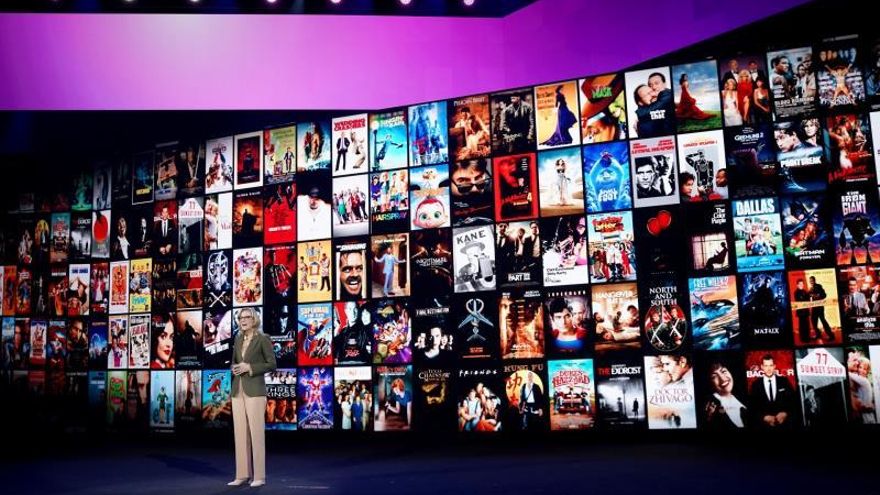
(405, 2)
(336, 1)
(469, 3)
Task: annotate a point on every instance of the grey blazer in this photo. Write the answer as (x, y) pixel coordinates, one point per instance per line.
(261, 357)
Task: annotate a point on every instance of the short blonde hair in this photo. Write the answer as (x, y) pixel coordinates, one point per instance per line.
(258, 323)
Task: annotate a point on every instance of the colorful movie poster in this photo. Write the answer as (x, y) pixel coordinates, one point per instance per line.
(392, 331)
(279, 213)
(78, 303)
(139, 285)
(279, 154)
(313, 146)
(513, 121)
(248, 154)
(389, 201)
(142, 187)
(469, 133)
(99, 347)
(848, 145)
(856, 220)
(800, 155)
(139, 238)
(247, 219)
(721, 392)
(189, 282)
(875, 137)
(562, 182)
(281, 400)
(102, 186)
(521, 324)
(60, 225)
(350, 206)
(165, 227)
(313, 205)
(616, 317)
(41, 242)
(650, 103)
(352, 333)
(763, 298)
(390, 271)
(773, 396)
(620, 392)
(431, 262)
(433, 334)
(715, 313)
(792, 82)
(481, 397)
(218, 279)
(393, 396)
(100, 235)
(216, 398)
(353, 388)
(806, 230)
(859, 289)
(218, 221)
(139, 341)
(555, 107)
(117, 358)
(429, 196)
(572, 393)
(654, 171)
(349, 149)
(664, 320)
(472, 194)
(351, 281)
(188, 397)
(116, 397)
(42, 349)
(280, 267)
(218, 171)
(611, 252)
(525, 386)
(669, 387)
(81, 194)
(315, 271)
(822, 383)
(758, 233)
(751, 160)
(162, 399)
(606, 177)
(567, 322)
(603, 108)
(475, 320)
(863, 384)
(80, 247)
(697, 107)
(814, 303)
(564, 247)
(839, 78)
(314, 334)
(247, 277)
(314, 397)
(217, 338)
(24, 292)
(518, 253)
(703, 167)
(711, 238)
(190, 216)
(515, 187)
(742, 76)
(388, 148)
(166, 169)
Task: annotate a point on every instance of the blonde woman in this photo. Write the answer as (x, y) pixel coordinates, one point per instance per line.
(252, 358)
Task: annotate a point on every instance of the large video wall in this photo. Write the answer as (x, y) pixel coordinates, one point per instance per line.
(679, 247)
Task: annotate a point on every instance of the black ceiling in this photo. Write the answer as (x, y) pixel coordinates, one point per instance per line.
(437, 8)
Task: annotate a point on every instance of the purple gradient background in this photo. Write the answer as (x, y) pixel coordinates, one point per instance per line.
(120, 61)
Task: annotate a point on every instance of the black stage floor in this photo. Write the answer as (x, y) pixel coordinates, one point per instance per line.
(399, 465)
